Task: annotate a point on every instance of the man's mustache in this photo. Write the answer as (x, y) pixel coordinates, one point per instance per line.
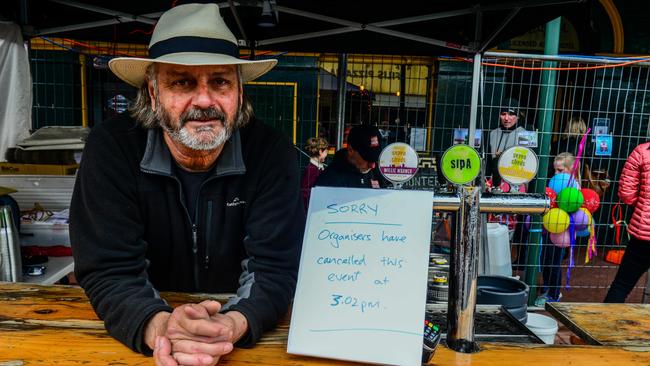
(202, 114)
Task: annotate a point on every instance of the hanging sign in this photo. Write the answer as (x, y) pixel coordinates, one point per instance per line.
(603, 145)
(398, 162)
(518, 165)
(461, 164)
(361, 291)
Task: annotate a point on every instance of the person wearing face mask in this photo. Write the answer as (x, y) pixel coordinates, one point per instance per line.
(355, 166)
(503, 137)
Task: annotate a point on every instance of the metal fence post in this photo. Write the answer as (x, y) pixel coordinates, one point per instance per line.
(547, 106)
(342, 86)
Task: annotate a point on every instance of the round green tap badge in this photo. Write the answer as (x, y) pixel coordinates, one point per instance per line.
(461, 164)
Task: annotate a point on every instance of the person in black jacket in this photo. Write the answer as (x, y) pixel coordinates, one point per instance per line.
(503, 137)
(190, 193)
(356, 165)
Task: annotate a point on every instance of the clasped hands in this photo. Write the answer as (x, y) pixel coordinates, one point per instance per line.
(194, 334)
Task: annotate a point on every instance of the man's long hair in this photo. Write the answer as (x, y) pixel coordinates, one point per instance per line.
(142, 112)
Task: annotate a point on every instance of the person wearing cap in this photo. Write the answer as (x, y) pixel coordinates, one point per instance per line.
(356, 165)
(188, 193)
(503, 137)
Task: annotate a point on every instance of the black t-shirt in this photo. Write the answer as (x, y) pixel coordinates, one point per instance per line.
(191, 185)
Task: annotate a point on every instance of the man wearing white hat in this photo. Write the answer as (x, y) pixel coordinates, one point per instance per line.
(189, 193)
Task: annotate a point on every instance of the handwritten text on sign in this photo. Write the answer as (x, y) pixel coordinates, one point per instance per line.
(361, 290)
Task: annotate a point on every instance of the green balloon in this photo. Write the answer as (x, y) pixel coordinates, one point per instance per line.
(570, 199)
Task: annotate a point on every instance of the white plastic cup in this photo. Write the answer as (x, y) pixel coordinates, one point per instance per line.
(498, 251)
(543, 326)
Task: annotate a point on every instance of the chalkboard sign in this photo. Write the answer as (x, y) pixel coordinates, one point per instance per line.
(426, 179)
(362, 285)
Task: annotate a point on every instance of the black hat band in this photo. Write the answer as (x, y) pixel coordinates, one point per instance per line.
(193, 44)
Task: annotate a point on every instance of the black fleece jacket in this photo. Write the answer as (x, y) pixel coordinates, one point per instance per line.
(132, 236)
(341, 173)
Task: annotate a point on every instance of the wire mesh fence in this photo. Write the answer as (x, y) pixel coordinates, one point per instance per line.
(56, 82)
(423, 101)
(558, 100)
(562, 100)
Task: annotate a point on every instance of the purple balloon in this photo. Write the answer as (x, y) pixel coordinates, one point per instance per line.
(562, 239)
(580, 220)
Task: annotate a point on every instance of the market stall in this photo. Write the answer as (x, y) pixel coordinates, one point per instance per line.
(45, 325)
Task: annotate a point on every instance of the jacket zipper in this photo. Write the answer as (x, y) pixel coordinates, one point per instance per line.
(195, 236)
(195, 229)
(195, 246)
(208, 219)
(206, 259)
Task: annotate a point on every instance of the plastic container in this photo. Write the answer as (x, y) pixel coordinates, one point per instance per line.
(498, 251)
(508, 292)
(438, 288)
(543, 326)
(439, 262)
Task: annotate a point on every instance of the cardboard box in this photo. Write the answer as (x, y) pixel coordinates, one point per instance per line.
(38, 169)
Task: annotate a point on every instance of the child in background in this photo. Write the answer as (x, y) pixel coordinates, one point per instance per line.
(316, 148)
(563, 163)
(553, 255)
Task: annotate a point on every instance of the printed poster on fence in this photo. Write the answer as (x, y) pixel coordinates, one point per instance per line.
(603, 145)
(461, 134)
(361, 292)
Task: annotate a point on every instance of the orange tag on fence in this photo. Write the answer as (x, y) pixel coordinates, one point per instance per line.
(615, 256)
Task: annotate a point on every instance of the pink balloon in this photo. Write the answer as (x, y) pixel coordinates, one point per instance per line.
(562, 239)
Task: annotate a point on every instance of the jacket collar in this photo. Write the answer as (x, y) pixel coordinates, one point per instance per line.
(158, 160)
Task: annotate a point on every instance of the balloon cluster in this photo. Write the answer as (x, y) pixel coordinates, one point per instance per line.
(571, 212)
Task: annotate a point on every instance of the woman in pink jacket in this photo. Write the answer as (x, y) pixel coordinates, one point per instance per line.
(634, 190)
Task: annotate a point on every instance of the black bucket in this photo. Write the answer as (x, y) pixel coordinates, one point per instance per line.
(506, 291)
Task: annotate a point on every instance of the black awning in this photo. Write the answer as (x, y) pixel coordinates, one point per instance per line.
(404, 27)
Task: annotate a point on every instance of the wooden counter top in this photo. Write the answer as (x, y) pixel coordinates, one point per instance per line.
(605, 324)
(55, 325)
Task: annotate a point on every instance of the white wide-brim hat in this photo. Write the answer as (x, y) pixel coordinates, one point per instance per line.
(190, 35)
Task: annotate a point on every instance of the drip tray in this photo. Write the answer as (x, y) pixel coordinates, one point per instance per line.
(492, 323)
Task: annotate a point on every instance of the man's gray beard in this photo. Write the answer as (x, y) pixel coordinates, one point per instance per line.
(183, 136)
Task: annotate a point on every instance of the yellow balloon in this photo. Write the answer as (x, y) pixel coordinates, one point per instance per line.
(556, 220)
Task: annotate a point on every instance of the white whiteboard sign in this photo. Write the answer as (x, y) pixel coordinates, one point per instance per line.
(362, 284)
